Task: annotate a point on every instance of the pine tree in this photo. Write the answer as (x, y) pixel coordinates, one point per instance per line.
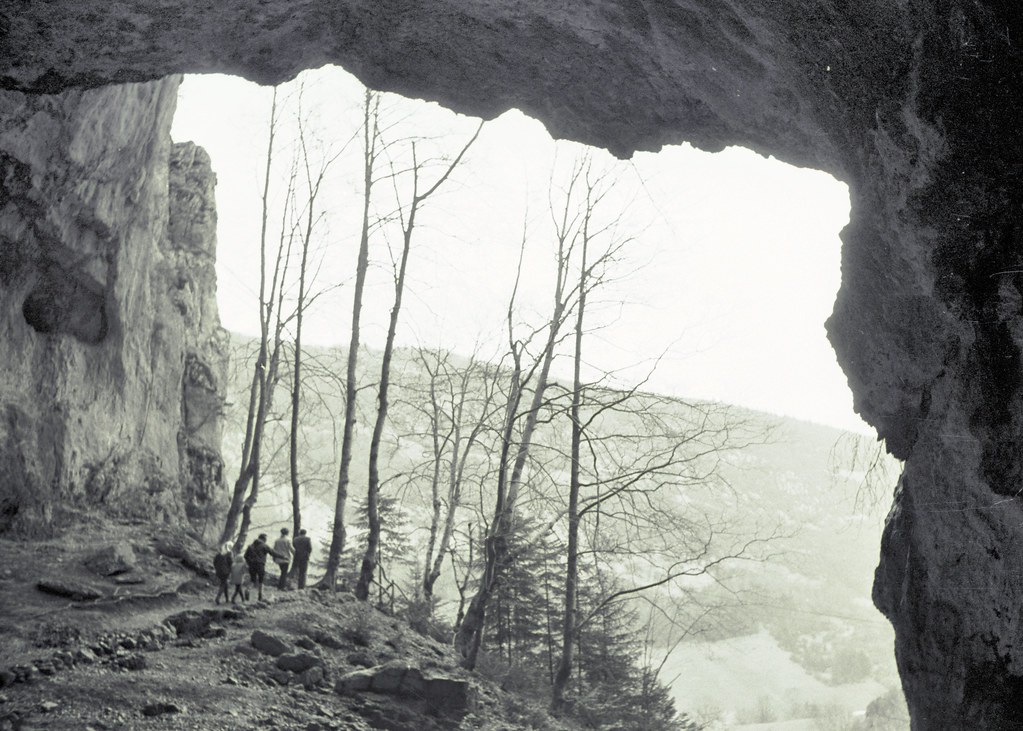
(523, 618)
(613, 690)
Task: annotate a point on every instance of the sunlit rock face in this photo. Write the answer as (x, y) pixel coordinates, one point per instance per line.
(104, 316)
(913, 104)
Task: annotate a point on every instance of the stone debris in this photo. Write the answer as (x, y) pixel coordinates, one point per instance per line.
(269, 644)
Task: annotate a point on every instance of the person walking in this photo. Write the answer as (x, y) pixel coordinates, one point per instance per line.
(238, 576)
(303, 549)
(283, 553)
(255, 559)
(222, 568)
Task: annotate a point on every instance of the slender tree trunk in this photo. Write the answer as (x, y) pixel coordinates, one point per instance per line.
(572, 558)
(433, 569)
(253, 431)
(369, 560)
(296, 384)
(369, 557)
(470, 632)
(456, 470)
(426, 587)
(337, 542)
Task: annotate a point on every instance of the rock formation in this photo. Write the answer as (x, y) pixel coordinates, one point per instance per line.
(113, 355)
(912, 104)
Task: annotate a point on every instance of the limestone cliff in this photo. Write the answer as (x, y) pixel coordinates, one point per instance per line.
(110, 361)
(914, 104)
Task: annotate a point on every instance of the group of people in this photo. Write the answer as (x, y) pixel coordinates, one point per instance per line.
(232, 568)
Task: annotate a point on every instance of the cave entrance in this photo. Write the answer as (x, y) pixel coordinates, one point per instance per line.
(731, 269)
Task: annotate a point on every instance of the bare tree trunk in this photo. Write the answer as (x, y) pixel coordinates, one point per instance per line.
(470, 631)
(442, 528)
(438, 455)
(369, 557)
(337, 543)
(572, 558)
(313, 188)
(253, 430)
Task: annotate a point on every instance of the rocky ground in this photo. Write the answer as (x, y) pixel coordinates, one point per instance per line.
(114, 627)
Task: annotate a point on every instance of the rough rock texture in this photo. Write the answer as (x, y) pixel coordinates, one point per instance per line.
(190, 268)
(110, 370)
(451, 696)
(913, 104)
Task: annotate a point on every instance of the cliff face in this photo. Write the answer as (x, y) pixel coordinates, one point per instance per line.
(106, 312)
(913, 104)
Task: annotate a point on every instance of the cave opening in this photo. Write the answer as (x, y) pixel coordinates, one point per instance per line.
(61, 304)
(729, 296)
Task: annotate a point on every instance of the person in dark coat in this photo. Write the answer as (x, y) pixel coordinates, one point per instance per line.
(303, 549)
(222, 568)
(255, 558)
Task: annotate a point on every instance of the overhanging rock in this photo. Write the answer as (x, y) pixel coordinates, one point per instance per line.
(912, 104)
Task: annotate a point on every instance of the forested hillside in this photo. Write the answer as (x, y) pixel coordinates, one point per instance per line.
(702, 524)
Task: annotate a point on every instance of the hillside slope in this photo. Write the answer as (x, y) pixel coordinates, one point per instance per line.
(147, 648)
(808, 606)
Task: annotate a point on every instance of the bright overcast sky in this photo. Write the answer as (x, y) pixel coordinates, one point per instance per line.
(734, 267)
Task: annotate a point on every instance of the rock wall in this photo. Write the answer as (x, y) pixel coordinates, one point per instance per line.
(106, 319)
(912, 103)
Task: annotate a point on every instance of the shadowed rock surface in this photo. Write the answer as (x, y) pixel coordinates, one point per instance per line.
(113, 359)
(913, 104)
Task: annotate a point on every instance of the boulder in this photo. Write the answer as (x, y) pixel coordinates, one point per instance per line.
(269, 644)
(283, 677)
(190, 623)
(189, 554)
(297, 663)
(76, 591)
(243, 648)
(312, 677)
(442, 694)
(112, 560)
(361, 659)
(86, 656)
(136, 661)
(199, 623)
(161, 708)
(452, 696)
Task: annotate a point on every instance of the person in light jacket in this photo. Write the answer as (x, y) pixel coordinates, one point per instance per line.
(283, 553)
(239, 573)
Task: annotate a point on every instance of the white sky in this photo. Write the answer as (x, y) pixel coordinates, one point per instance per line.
(735, 262)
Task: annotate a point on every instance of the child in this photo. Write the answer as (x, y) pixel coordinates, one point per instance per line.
(239, 573)
(222, 567)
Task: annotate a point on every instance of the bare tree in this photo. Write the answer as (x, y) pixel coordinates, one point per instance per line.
(523, 375)
(453, 408)
(314, 180)
(371, 134)
(407, 223)
(264, 377)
